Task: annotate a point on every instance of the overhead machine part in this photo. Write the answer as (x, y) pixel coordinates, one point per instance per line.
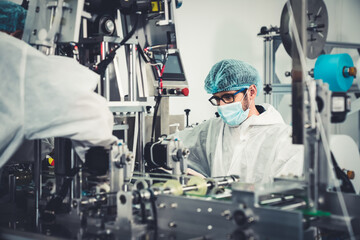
(316, 27)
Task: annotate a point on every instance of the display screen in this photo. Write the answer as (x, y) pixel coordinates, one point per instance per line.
(173, 69)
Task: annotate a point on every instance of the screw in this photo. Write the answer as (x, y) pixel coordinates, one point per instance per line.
(172, 225)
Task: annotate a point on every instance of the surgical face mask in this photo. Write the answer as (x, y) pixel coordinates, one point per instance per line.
(233, 113)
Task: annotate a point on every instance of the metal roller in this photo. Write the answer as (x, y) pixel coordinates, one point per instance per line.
(174, 186)
(201, 186)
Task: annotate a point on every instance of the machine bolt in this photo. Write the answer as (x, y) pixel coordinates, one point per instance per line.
(226, 214)
(186, 152)
(161, 205)
(243, 217)
(172, 225)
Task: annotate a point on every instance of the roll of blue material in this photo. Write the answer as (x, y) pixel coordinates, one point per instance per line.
(330, 69)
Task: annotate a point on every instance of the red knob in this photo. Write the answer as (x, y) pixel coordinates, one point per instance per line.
(185, 91)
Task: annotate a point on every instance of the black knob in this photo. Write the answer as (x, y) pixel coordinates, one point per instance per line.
(148, 109)
(264, 30)
(187, 111)
(240, 218)
(173, 91)
(243, 218)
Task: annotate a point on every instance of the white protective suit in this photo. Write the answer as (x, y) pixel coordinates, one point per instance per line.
(48, 96)
(258, 150)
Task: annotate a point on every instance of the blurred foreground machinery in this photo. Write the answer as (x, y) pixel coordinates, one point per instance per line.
(142, 191)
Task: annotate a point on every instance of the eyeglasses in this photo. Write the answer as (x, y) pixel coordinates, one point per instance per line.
(226, 98)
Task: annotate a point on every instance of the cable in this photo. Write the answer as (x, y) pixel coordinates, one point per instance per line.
(129, 35)
(101, 67)
(55, 203)
(156, 108)
(142, 54)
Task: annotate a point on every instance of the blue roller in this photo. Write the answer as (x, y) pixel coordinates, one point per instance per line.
(330, 68)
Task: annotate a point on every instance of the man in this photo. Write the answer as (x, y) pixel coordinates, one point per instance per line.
(249, 140)
(46, 96)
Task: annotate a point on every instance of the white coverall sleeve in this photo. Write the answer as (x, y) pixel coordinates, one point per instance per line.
(60, 102)
(44, 97)
(195, 140)
(289, 158)
(11, 108)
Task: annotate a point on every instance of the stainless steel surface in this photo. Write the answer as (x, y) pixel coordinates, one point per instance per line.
(201, 218)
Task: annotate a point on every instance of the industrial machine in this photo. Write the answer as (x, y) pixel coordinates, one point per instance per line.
(142, 191)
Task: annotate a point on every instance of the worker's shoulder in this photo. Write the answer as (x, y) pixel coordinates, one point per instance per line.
(277, 129)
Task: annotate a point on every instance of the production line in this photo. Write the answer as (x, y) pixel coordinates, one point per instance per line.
(142, 183)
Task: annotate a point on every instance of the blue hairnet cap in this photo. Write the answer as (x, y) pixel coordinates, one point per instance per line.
(230, 74)
(12, 16)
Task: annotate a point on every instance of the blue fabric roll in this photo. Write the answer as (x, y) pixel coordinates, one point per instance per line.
(329, 68)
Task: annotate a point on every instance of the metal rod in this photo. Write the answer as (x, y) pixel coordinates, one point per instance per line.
(76, 183)
(190, 188)
(106, 80)
(12, 187)
(294, 206)
(37, 179)
(298, 8)
(132, 75)
(194, 187)
(141, 142)
(271, 67)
